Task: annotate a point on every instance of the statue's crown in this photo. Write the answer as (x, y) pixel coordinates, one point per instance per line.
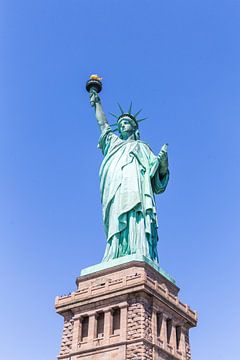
(128, 114)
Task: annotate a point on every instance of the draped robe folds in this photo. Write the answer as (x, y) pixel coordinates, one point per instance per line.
(129, 177)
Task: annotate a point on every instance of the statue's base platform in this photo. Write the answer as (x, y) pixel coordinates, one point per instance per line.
(124, 260)
(126, 309)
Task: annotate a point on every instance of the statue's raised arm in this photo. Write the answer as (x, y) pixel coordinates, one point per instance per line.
(100, 115)
(94, 86)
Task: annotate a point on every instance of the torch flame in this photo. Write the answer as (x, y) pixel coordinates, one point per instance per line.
(95, 77)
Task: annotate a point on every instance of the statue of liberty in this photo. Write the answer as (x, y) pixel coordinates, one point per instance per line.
(130, 175)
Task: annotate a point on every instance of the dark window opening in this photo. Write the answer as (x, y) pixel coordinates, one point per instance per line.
(85, 322)
(100, 324)
(159, 324)
(178, 336)
(169, 330)
(115, 320)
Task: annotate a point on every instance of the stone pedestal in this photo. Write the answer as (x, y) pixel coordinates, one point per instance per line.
(128, 311)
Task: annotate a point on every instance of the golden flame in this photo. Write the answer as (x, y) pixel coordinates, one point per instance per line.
(95, 77)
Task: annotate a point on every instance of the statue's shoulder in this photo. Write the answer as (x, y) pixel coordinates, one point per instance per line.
(108, 140)
(145, 145)
(107, 134)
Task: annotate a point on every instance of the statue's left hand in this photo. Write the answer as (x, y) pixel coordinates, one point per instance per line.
(163, 159)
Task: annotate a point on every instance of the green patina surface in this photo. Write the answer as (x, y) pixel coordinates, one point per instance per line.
(124, 260)
(130, 177)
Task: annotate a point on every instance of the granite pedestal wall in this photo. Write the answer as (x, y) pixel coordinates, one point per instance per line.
(129, 311)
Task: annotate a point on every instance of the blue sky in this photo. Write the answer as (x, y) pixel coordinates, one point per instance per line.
(177, 60)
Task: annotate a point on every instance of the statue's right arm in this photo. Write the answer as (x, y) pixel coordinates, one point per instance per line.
(100, 115)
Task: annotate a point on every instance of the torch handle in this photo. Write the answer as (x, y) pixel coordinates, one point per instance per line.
(93, 93)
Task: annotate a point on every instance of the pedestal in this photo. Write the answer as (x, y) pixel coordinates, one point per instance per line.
(129, 310)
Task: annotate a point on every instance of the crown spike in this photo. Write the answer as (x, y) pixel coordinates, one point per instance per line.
(114, 115)
(138, 113)
(141, 120)
(130, 108)
(115, 124)
(121, 109)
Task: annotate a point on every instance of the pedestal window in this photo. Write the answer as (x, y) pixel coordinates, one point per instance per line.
(100, 324)
(159, 323)
(178, 336)
(116, 320)
(84, 328)
(169, 330)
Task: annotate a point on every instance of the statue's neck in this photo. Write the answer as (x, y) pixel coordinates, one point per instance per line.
(130, 137)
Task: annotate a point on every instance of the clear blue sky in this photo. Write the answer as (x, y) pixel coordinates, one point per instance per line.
(179, 60)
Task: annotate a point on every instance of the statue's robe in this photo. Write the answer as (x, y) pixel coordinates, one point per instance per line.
(129, 177)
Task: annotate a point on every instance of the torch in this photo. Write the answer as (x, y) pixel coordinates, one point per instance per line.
(94, 84)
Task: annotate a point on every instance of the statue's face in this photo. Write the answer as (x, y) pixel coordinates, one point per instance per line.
(126, 129)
